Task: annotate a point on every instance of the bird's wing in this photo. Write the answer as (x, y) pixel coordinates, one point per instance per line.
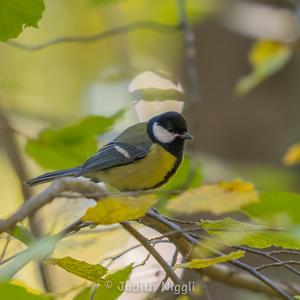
(118, 152)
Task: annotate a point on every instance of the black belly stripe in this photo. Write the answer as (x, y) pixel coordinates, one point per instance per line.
(169, 174)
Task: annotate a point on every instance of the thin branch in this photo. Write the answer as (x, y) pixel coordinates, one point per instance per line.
(15, 157)
(118, 255)
(269, 256)
(76, 185)
(284, 251)
(3, 252)
(145, 242)
(145, 25)
(278, 264)
(219, 272)
(181, 239)
(143, 262)
(159, 288)
(282, 292)
(182, 221)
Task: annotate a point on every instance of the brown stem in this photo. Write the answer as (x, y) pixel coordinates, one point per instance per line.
(15, 157)
(145, 242)
(149, 25)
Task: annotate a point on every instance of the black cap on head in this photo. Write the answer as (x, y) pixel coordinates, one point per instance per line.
(169, 129)
(172, 121)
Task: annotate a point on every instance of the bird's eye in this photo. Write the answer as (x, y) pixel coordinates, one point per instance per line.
(172, 130)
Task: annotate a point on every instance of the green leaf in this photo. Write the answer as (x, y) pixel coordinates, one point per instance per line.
(215, 198)
(80, 268)
(266, 58)
(276, 208)
(156, 94)
(69, 146)
(114, 284)
(11, 291)
(84, 294)
(112, 210)
(17, 14)
(22, 234)
(236, 233)
(207, 262)
(38, 251)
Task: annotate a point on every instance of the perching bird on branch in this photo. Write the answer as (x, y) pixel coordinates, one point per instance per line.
(144, 156)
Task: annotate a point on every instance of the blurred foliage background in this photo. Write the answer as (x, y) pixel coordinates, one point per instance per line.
(245, 116)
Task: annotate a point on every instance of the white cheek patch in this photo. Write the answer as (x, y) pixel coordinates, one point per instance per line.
(163, 135)
(122, 151)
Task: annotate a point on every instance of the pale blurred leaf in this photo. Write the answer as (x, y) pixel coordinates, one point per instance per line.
(10, 291)
(207, 262)
(112, 210)
(80, 268)
(266, 58)
(292, 155)
(15, 15)
(71, 145)
(236, 233)
(215, 198)
(37, 251)
(114, 284)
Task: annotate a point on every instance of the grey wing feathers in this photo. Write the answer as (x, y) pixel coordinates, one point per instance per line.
(112, 155)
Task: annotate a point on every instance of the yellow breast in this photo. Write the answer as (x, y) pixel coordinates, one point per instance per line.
(145, 173)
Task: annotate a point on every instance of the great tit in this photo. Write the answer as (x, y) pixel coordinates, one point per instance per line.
(144, 156)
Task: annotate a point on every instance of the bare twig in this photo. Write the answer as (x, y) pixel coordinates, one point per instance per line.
(179, 237)
(278, 264)
(3, 252)
(146, 25)
(15, 157)
(76, 185)
(118, 255)
(269, 256)
(183, 242)
(144, 261)
(284, 251)
(185, 222)
(145, 242)
(159, 288)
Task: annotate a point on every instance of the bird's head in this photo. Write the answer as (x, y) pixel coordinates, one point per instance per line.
(169, 129)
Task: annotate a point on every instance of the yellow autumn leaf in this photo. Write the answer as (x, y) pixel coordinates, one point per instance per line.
(112, 210)
(217, 198)
(292, 155)
(80, 268)
(202, 263)
(263, 50)
(266, 58)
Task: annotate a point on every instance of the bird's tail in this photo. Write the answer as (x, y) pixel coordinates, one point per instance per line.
(52, 175)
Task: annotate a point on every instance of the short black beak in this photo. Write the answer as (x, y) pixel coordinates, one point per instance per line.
(186, 136)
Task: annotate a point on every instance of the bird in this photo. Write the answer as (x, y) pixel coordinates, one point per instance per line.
(143, 157)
